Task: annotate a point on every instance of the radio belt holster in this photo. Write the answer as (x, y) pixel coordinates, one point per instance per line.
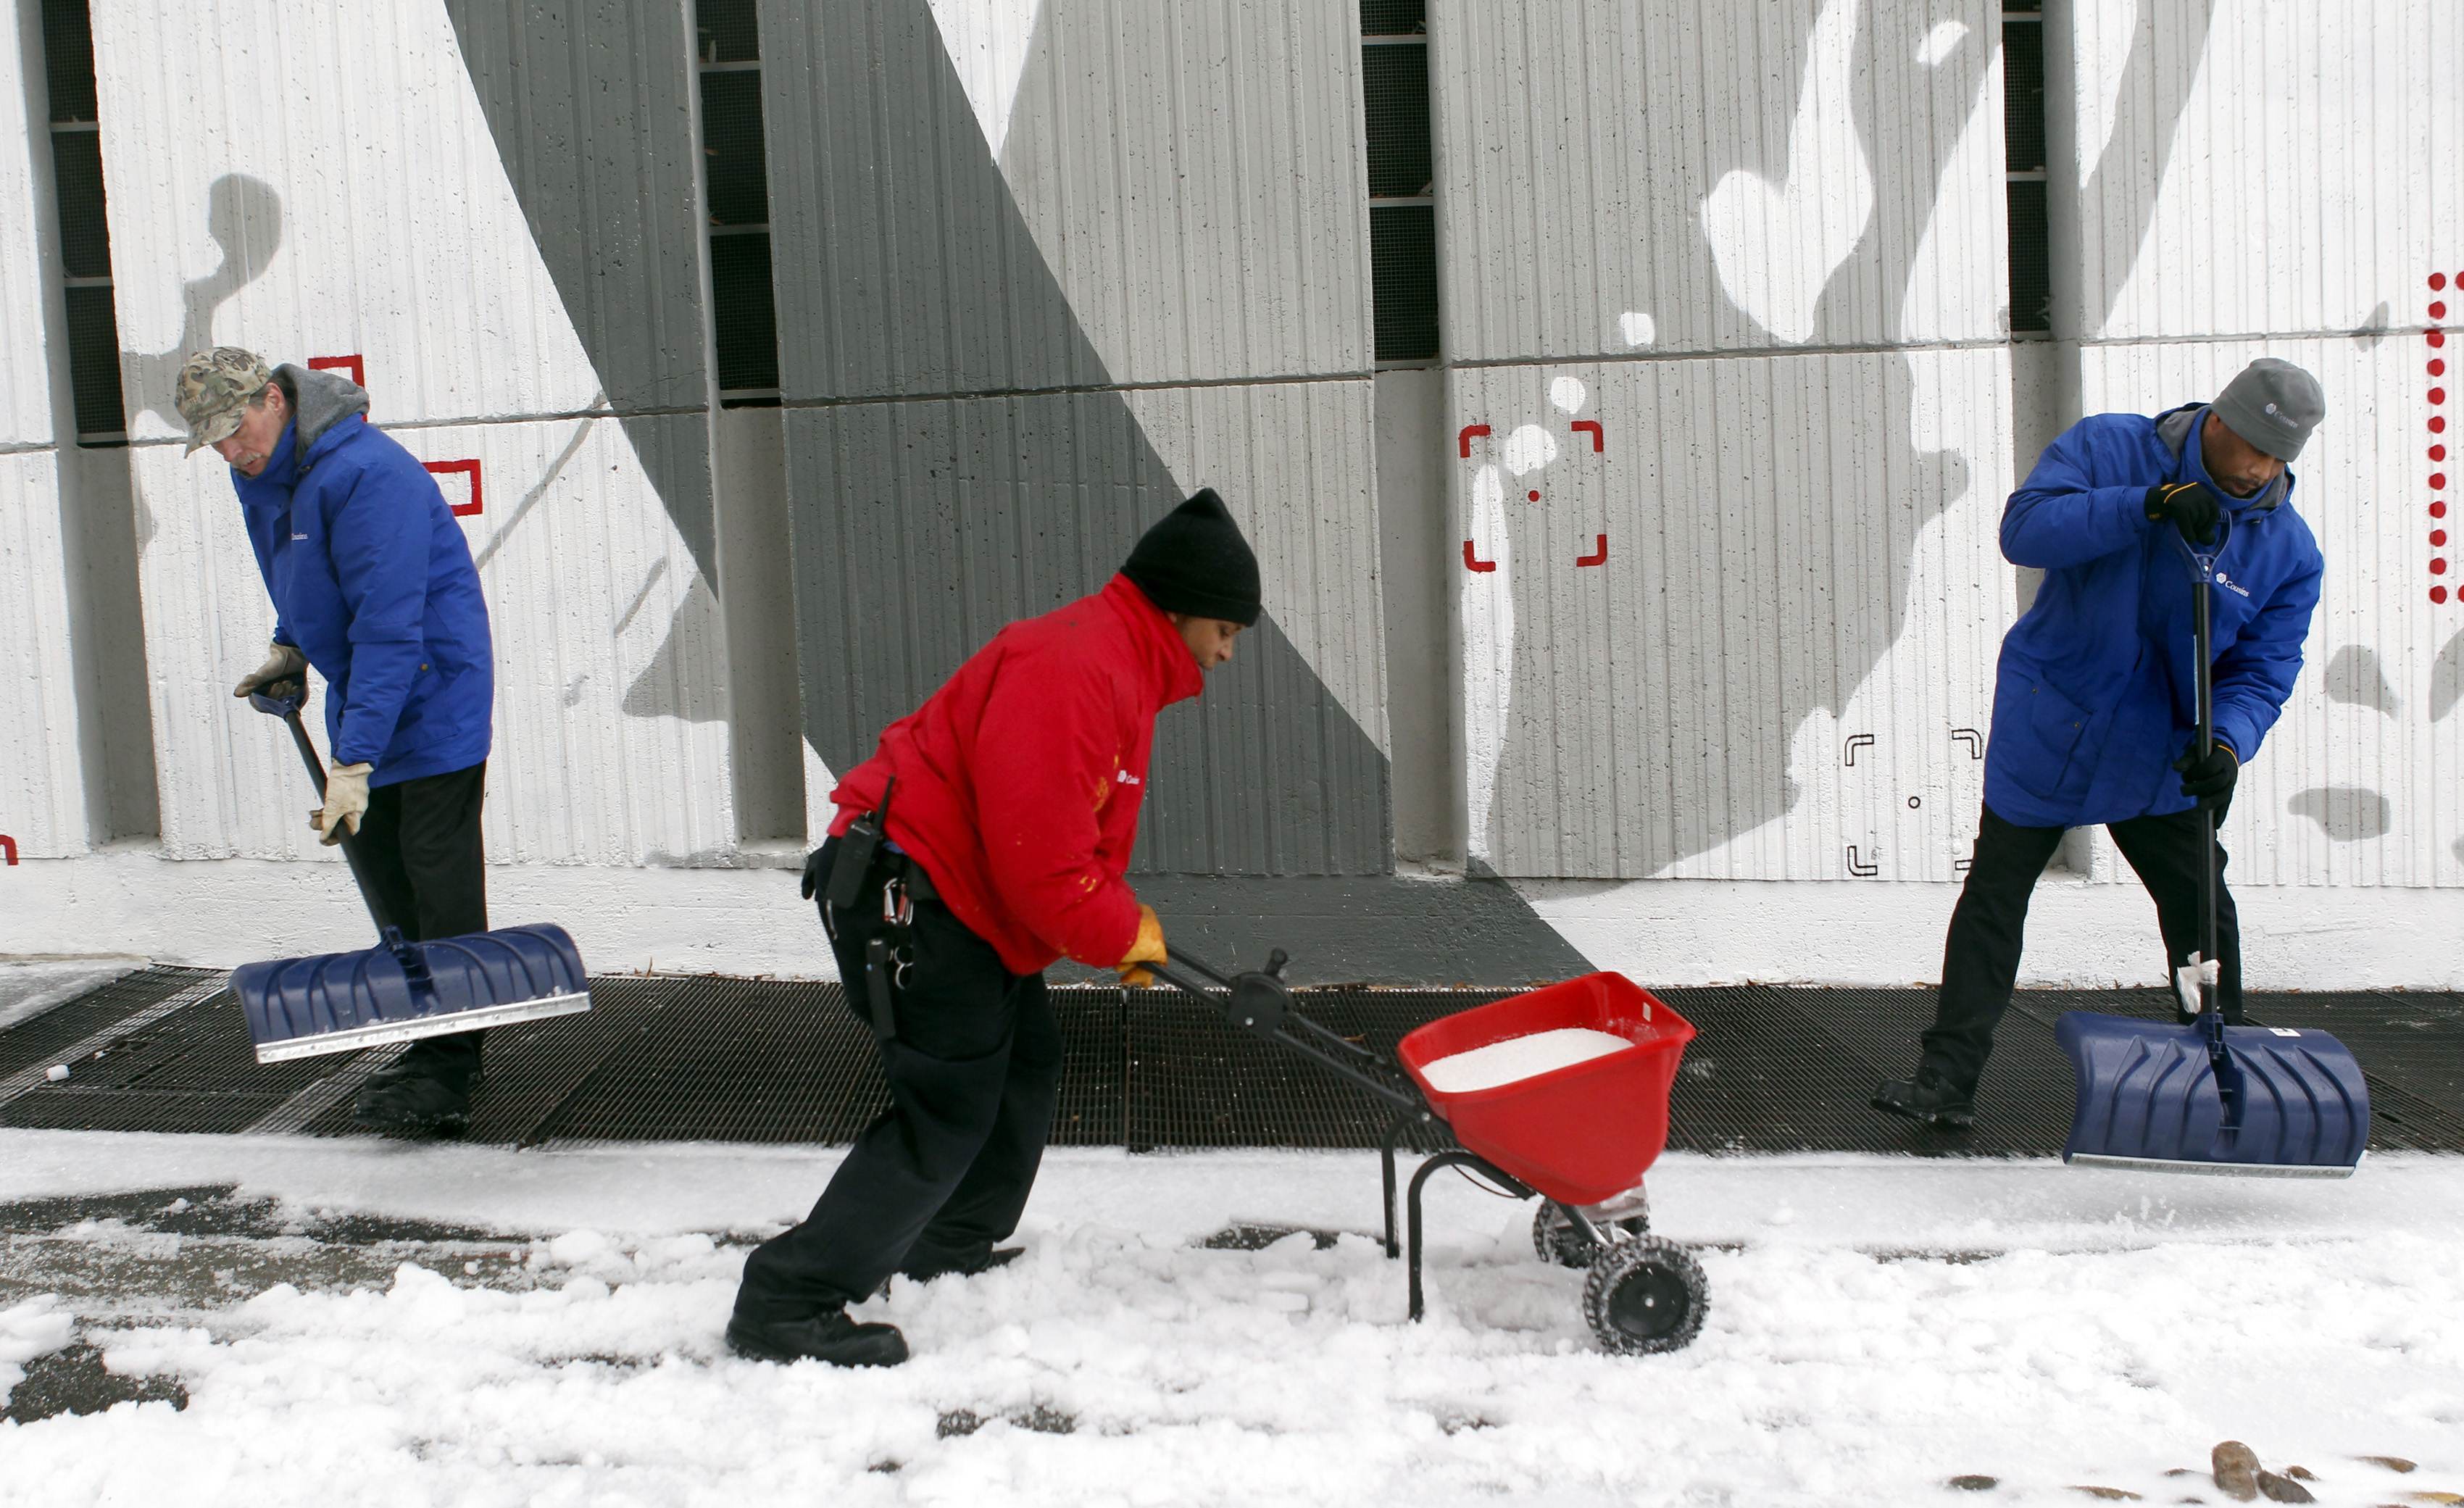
(865, 857)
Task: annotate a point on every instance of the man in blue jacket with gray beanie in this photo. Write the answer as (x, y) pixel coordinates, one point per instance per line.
(372, 584)
(2094, 712)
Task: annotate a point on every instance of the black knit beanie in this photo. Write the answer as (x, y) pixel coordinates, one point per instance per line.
(1194, 561)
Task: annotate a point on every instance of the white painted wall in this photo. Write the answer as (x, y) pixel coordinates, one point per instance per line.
(42, 783)
(372, 217)
(1670, 290)
(2309, 199)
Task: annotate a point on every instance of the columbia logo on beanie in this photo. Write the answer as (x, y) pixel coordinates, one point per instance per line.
(1194, 561)
(2273, 404)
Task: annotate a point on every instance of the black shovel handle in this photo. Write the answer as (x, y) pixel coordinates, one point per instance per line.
(2202, 561)
(284, 700)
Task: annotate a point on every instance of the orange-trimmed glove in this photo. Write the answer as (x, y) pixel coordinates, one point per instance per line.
(1147, 948)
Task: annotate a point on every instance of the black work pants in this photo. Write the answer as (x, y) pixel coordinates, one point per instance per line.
(974, 1065)
(420, 842)
(1980, 958)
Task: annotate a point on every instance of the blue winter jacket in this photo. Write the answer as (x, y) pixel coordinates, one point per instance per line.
(373, 582)
(2095, 699)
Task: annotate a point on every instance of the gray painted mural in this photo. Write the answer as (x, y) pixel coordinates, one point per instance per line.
(1739, 670)
(244, 217)
(591, 107)
(957, 456)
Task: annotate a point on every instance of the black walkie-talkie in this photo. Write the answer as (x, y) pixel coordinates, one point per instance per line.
(858, 846)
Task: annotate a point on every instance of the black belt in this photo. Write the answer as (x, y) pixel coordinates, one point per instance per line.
(903, 868)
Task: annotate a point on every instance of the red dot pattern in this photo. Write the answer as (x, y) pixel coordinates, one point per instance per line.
(2437, 396)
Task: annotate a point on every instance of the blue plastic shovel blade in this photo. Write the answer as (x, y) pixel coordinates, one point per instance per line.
(2148, 1098)
(341, 1003)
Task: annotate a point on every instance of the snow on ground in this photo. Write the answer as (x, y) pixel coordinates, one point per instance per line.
(1878, 1326)
(31, 986)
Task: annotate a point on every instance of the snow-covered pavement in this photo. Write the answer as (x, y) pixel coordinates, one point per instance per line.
(1878, 1326)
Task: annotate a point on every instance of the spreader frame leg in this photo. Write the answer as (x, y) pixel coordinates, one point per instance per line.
(1453, 1159)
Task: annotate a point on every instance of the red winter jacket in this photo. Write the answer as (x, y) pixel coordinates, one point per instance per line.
(1019, 780)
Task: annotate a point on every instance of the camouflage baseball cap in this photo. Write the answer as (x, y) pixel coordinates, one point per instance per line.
(215, 387)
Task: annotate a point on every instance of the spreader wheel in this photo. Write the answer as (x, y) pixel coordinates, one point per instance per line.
(1646, 1294)
(1555, 1239)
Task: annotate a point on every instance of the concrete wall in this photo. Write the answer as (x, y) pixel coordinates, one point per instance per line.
(2337, 247)
(1040, 281)
(1722, 285)
(1731, 401)
(383, 225)
(45, 782)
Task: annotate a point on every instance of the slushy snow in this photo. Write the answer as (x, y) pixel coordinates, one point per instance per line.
(31, 986)
(1877, 1325)
(1520, 1058)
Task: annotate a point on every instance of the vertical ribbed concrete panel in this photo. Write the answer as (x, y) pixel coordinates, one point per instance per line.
(1041, 273)
(2358, 783)
(1728, 605)
(380, 224)
(2285, 181)
(1694, 175)
(591, 108)
(2260, 226)
(42, 785)
(1750, 636)
(1193, 175)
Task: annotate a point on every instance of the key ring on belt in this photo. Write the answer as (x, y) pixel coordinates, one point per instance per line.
(898, 911)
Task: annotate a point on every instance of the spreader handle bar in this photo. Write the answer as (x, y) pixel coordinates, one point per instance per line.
(1276, 1022)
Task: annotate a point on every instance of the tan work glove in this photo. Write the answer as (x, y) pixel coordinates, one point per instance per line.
(346, 801)
(283, 664)
(1146, 949)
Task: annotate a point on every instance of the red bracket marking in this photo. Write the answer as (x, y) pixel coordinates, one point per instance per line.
(1594, 425)
(1599, 556)
(1473, 562)
(470, 469)
(341, 363)
(9, 848)
(1462, 441)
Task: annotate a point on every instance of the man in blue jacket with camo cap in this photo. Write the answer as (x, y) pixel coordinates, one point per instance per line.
(372, 584)
(2094, 712)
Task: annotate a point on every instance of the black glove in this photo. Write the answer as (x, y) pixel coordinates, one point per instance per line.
(2189, 505)
(815, 878)
(2210, 778)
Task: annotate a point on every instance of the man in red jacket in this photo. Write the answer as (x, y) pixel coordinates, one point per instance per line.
(985, 838)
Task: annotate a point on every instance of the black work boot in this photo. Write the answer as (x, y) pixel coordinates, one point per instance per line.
(419, 1094)
(829, 1337)
(1928, 1099)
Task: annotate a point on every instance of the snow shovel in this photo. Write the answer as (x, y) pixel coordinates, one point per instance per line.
(2208, 1098)
(399, 990)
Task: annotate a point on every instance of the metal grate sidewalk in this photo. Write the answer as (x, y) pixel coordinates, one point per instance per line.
(712, 1059)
